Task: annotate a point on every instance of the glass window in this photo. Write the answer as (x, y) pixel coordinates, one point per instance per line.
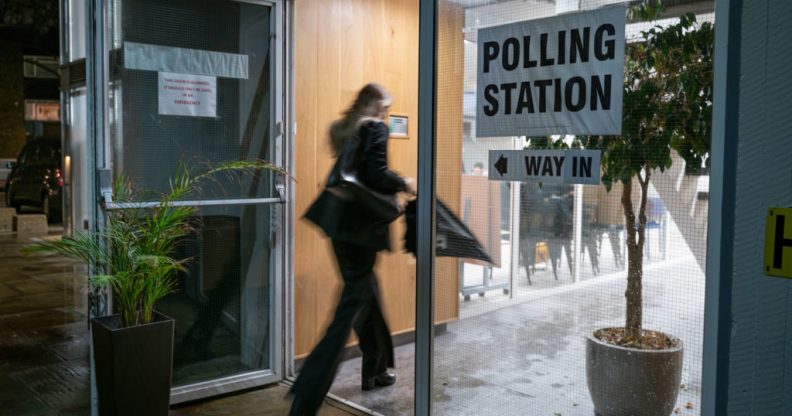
(561, 254)
(77, 29)
(191, 84)
(340, 47)
(222, 304)
(152, 127)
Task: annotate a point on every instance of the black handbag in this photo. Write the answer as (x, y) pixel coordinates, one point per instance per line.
(326, 212)
(343, 181)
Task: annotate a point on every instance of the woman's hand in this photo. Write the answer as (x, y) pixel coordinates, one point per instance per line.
(409, 186)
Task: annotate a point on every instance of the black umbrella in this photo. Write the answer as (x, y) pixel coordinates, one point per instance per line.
(454, 239)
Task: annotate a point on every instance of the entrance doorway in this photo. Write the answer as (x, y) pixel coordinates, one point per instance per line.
(189, 84)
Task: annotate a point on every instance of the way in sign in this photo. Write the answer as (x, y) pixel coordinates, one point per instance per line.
(551, 165)
(548, 166)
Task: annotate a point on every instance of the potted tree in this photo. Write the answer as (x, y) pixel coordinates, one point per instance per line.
(133, 258)
(667, 108)
(632, 371)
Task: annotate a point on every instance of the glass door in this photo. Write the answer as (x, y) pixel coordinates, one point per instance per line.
(197, 84)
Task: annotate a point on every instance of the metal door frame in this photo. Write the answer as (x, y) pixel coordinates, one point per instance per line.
(98, 15)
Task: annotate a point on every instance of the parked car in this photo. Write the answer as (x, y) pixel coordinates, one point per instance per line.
(36, 178)
(4, 171)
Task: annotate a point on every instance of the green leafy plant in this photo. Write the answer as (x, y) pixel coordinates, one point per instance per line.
(133, 255)
(667, 108)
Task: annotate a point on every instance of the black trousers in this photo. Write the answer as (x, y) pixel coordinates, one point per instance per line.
(360, 309)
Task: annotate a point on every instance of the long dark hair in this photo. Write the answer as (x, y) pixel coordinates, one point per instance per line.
(369, 105)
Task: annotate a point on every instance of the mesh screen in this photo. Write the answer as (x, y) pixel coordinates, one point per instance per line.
(147, 145)
(560, 252)
(224, 300)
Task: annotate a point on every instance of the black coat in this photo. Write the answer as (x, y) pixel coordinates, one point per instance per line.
(345, 220)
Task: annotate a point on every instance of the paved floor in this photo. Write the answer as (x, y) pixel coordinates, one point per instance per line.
(526, 355)
(43, 334)
(269, 401)
(43, 344)
(507, 355)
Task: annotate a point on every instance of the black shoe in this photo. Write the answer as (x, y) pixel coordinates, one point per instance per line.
(384, 379)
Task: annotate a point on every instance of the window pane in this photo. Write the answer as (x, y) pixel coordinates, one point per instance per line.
(231, 117)
(223, 302)
(561, 252)
(76, 29)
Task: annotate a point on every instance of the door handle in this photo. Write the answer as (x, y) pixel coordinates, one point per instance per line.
(109, 206)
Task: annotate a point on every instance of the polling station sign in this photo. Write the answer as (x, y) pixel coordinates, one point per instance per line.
(546, 166)
(559, 75)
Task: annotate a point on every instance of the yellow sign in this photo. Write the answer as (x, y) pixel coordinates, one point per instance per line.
(778, 242)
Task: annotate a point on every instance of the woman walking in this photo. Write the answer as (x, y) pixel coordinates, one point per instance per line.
(357, 239)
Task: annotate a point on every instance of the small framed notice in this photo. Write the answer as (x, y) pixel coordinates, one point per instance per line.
(398, 126)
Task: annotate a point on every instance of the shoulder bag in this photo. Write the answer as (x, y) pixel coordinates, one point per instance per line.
(343, 179)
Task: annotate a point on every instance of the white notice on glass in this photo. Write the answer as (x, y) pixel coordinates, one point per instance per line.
(187, 95)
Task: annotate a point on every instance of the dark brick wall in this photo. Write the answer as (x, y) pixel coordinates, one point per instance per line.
(12, 101)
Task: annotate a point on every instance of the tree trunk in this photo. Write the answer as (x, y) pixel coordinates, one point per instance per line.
(636, 234)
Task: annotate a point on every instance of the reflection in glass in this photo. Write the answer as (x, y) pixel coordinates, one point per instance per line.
(148, 145)
(224, 299)
(222, 305)
(560, 250)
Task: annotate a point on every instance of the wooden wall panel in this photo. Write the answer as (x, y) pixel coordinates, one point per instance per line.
(305, 170)
(340, 45)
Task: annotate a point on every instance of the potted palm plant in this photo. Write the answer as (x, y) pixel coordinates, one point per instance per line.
(133, 258)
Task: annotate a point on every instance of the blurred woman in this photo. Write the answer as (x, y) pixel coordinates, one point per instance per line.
(356, 244)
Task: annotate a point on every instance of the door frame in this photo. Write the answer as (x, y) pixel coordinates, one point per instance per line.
(274, 374)
(98, 46)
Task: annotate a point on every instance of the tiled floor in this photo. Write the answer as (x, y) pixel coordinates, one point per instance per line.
(43, 334)
(268, 401)
(44, 344)
(519, 355)
(526, 355)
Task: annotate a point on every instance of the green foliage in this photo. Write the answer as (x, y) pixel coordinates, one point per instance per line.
(134, 252)
(667, 107)
(646, 11)
(667, 102)
(40, 15)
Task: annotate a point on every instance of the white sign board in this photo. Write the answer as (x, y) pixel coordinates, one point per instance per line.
(398, 126)
(146, 57)
(559, 75)
(546, 166)
(187, 95)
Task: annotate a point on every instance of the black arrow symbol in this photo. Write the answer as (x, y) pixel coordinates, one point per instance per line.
(502, 165)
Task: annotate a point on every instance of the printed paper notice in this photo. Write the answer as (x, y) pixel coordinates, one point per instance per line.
(187, 95)
(557, 75)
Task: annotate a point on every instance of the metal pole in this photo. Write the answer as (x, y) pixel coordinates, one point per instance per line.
(514, 236)
(424, 302)
(578, 229)
(95, 81)
(514, 231)
(109, 206)
(721, 221)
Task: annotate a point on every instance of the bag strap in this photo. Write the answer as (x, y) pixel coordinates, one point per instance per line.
(348, 159)
(345, 161)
